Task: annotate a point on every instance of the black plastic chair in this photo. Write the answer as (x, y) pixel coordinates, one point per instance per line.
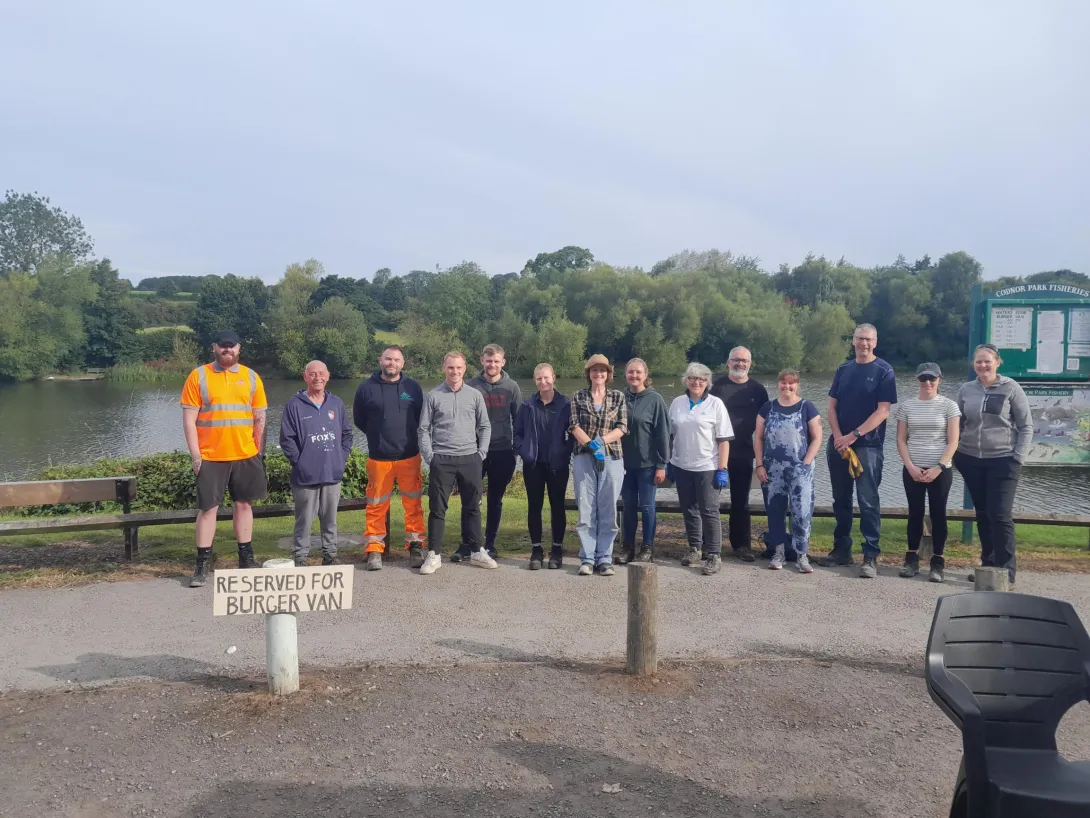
(1006, 668)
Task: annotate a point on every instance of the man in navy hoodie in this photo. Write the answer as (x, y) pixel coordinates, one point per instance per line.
(316, 437)
(387, 410)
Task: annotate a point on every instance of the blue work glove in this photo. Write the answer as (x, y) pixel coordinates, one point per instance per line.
(599, 455)
(596, 445)
(722, 479)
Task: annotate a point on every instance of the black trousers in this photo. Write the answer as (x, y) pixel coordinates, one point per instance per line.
(499, 468)
(699, 499)
(936, 492)
(992, 483)
(539, 478)
(446, 472)
(740, 471)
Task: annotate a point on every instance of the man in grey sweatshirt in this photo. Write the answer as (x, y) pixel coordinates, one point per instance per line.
(454, 434)
(502, 399)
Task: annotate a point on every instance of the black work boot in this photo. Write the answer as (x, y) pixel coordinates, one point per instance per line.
(416, 555)
(300, 562)
(912, 564)
(329, 559)
(537, 556)
(647, 554)
(200, 571)
(745, 554)
(628, 554)
(556, 557)
(246, 556)
(938, 570)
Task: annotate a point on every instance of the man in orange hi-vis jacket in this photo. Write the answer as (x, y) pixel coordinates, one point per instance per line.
(223, 417)
(387, 410)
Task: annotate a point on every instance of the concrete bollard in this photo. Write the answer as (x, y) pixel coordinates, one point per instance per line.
(643, 588)
(282, 644)
(992, 579)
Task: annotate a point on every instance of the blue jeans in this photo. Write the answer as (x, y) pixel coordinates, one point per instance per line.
(596, 494)
(638, 496)
(866, 486)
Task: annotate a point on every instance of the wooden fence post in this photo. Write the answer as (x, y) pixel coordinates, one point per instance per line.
(643, 588)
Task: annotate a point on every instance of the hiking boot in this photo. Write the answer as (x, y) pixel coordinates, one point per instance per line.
(869, 569)
(246, 556)
(374, 561)
(416, 556)
(911, 566)
(605, 570)
(537, 556)
(432, 563)
(461, 554)
(802, 564)
(586, 569)
(556, 557)
(627, 555)
(300, 562)
(777, 559)
(692, 557)
(200, 570)
(712, 564)
(745, 554)
(482, 559)
(835, 559)
(936, 575)
(329, 559)
(647, 554)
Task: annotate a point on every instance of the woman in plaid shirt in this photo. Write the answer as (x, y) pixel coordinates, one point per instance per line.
(599, 419)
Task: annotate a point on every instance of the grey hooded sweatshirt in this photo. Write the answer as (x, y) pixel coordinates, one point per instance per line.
(453, 423)
(995, 420)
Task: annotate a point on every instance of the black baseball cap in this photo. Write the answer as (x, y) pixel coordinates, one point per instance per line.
(929, 368)
(226, 338)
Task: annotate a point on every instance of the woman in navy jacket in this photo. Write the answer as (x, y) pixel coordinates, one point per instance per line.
(543, 443)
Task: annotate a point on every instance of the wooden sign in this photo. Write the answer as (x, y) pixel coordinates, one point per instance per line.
(240, 591)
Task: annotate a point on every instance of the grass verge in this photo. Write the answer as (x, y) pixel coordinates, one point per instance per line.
(53, 561)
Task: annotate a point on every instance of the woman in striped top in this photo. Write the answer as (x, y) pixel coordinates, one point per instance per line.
(927, 437)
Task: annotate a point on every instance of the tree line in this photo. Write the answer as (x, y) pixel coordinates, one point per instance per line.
(65, 310)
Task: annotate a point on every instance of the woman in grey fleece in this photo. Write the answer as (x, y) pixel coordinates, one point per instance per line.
(996, 433)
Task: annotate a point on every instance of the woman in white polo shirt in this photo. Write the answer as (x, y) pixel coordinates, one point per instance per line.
(701, 431)
(928, 427)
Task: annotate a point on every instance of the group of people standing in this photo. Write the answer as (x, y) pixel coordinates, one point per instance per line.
(613, 444)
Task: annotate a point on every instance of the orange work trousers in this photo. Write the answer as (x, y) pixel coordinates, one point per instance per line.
(380, 488)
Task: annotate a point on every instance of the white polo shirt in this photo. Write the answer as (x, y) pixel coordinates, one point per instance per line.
(697, 432)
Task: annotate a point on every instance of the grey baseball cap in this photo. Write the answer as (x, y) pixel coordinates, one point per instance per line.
(929, 368)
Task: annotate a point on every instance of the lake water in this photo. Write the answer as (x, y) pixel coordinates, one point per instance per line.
(62, 422)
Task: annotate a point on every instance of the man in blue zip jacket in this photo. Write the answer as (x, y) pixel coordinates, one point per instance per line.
(316, 437)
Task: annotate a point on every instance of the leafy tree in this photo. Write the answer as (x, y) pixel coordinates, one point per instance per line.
(426, 344)
(288, 317)
(1069, 277)
(458, 302)
(107, 319)
(663, 357)
(548, 268)
(395, 295)
(825, 332)
(951, 281)
(339, 336)
(239, 304)
(899, 307)
(31, 231)
(172, 284)
(168, 288)
(563, 344)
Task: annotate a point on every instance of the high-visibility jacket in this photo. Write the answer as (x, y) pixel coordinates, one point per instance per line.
(225, 400)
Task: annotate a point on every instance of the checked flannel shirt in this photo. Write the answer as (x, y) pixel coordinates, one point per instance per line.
(614, 415)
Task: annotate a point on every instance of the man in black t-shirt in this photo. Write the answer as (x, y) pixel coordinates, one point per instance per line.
(744, 398)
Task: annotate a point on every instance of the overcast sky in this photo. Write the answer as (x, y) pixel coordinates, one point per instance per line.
(214, 137)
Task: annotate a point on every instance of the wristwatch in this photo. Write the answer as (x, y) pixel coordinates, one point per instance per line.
(857, 433)
(946, 466)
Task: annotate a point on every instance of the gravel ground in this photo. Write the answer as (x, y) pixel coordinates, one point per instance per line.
(781, 737)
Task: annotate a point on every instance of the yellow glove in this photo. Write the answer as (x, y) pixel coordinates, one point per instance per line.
(855, 468)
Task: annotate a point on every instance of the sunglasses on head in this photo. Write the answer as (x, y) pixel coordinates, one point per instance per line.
(927, 379)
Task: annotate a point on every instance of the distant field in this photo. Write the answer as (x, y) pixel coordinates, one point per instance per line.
(143, 293)
(388, 337)
(178, 328)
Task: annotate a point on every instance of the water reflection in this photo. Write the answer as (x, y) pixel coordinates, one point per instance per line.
(63, 422)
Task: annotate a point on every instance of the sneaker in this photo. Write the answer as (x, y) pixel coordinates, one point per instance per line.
(200, 570)
(692, 557)
(300, 562)
(869, 569)
(374, 561)
(329, 559)
(712, 564)
(777, 559)
(432, 563)
(482, 559)
(416, 556)
(246, 557)
(461, 554)
(537, 556)
(647, 554)
(802, 564)
(626, 555)
(605, 570)
(745, 554)
(835, 560)
(911, 566)
(936, 575)
(586, 569)
(556, 557)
